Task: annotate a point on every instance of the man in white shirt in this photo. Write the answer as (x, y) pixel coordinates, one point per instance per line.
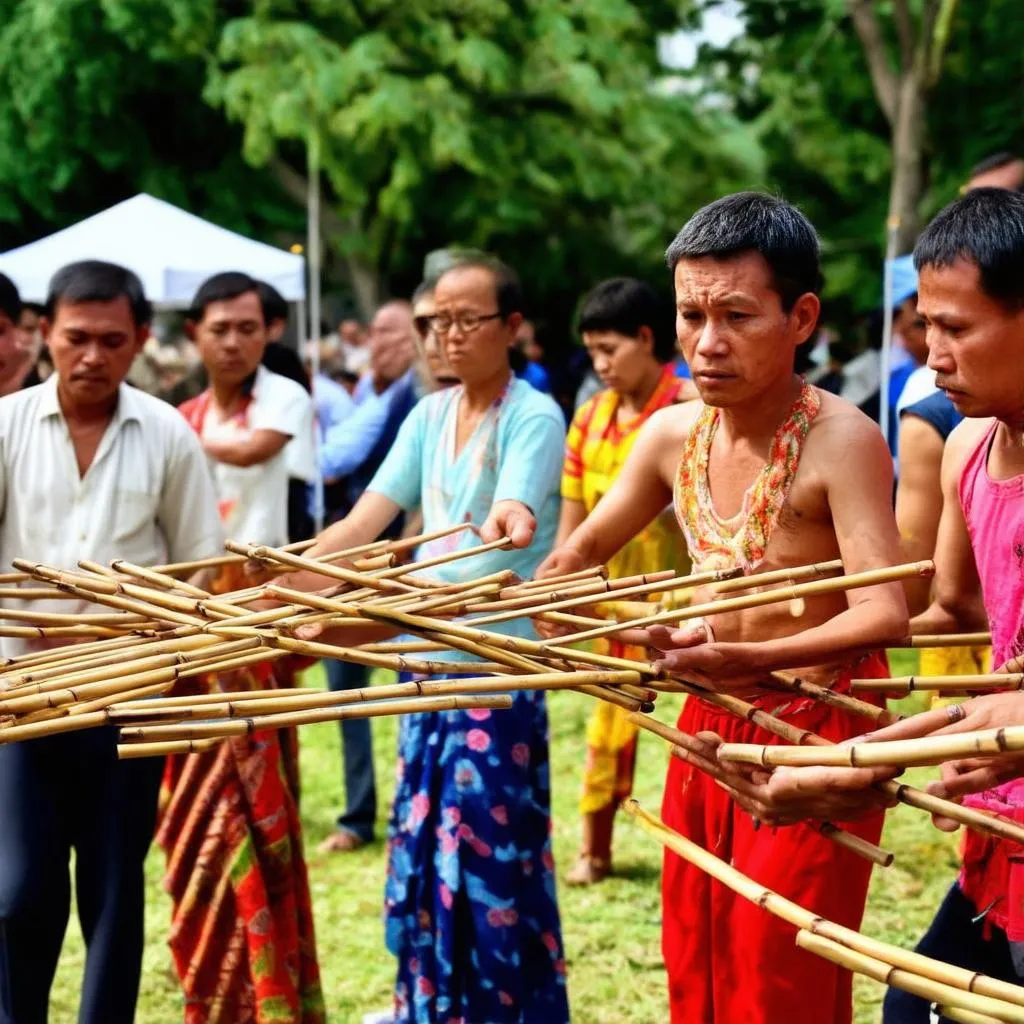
(248, 415)
(89, 468)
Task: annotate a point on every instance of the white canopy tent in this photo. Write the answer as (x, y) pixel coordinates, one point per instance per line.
(172, 251)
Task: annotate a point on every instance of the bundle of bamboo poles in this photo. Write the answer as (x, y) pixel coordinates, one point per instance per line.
(963, 995)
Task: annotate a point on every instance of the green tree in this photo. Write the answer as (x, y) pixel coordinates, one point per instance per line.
(798, 79)
(103, 99)
(536, 129)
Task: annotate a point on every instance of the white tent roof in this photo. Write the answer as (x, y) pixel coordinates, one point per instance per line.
(172, 251)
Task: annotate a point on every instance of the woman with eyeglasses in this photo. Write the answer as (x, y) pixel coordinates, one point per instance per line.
(470, 904)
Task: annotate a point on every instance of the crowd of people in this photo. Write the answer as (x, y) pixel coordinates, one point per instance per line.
(703, 446)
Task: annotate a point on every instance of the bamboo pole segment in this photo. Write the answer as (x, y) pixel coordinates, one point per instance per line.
(130, 750)
(690, 749)
(113, 619)
(991, 824)
(290, 719)
(928, 750)
(523, 608)
(33, 593)
(961, 1016)
(796, 574)
(948, 640)
(599, 571)
(795, 592)
(885, 973)
(57, 632)
(105, 701)
(335, 572)
(14, 577)
(824, 695)
(946, 684)
(256, 702)
(800, 918)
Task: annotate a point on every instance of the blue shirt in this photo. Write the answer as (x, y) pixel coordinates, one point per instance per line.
(938, 411)
(347, 445)
(333, 403)
(515, 453)
(535, 375)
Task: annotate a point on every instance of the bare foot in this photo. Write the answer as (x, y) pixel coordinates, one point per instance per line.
(341, 841)
(588, 870)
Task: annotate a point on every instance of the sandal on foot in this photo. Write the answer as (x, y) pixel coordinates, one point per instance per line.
(341, 841)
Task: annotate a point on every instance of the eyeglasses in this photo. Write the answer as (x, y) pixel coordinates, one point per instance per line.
(467, 322)
(422, 324)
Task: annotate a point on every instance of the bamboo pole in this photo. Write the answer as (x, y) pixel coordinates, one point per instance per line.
(824, 695)
(290, 719)
(800, 918)
(796, 592)
(928, 750)
(885, 973)
(230, 705)
(952, 684)
(991, 824)
(688, 748)
(167, 749)
(949, 640)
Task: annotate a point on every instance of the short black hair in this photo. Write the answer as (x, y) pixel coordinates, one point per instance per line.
(508, 291)
(985, 227)
(275, 306)
(624, 304)
(222, 287)
(993, 163)
(755, 222)
(10, 300)
(96, 281)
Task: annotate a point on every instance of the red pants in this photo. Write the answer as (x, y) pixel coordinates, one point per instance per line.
(729, 961)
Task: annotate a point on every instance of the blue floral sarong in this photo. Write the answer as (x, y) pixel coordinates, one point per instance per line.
(470, 908)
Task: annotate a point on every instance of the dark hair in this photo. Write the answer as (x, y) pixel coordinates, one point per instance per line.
(275, 307)
(96, 281)
(993, 163)
(755, 222)
(222, 287)
(624, 304)
(508, 292)
(10, 300)
(985, 227)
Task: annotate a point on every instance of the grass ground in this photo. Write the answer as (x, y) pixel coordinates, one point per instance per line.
(611, 933)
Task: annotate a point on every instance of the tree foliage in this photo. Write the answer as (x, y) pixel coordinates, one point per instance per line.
(534, 129)
(799, 80)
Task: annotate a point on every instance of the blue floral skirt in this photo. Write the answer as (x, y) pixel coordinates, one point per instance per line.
(469, 902)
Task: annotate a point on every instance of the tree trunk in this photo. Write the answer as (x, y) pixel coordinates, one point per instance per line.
(908, 162)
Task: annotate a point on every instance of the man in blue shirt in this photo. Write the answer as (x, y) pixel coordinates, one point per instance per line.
(351, 452)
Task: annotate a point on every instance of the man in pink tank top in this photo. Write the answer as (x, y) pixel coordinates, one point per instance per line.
(971, 265)
(764, 472)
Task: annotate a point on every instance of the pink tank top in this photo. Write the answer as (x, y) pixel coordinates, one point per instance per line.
(993, 872)
(994, 513)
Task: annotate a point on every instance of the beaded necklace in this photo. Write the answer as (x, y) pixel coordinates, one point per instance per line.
(741, 540)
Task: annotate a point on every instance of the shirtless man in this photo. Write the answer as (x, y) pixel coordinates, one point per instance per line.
(972, 301)
(765, 472)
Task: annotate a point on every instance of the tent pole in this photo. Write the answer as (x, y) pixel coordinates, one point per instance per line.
(893, 225)
(313, 263)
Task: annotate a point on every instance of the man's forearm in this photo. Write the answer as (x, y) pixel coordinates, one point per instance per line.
(940, 618)
(856, 631)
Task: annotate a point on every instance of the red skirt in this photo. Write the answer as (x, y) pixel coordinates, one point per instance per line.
(242, 925)
(729, 961)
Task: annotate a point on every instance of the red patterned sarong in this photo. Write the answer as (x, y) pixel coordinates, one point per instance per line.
(242, 927)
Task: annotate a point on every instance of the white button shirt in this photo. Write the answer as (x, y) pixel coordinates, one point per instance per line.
(148, 496)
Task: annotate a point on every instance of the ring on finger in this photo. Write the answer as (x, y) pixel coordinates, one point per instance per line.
(956, 713)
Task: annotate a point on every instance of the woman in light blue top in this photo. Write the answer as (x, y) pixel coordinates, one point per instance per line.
(470, 895)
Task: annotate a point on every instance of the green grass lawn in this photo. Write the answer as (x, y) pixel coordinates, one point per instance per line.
(611, 931)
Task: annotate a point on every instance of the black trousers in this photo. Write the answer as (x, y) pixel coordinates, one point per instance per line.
(60, 794)
(956, 937)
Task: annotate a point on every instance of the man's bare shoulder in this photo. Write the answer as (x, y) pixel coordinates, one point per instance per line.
(841, 427)
(674, 422)
(965, 437)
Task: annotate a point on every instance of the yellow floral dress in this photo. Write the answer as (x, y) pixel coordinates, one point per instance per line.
(597, 447)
